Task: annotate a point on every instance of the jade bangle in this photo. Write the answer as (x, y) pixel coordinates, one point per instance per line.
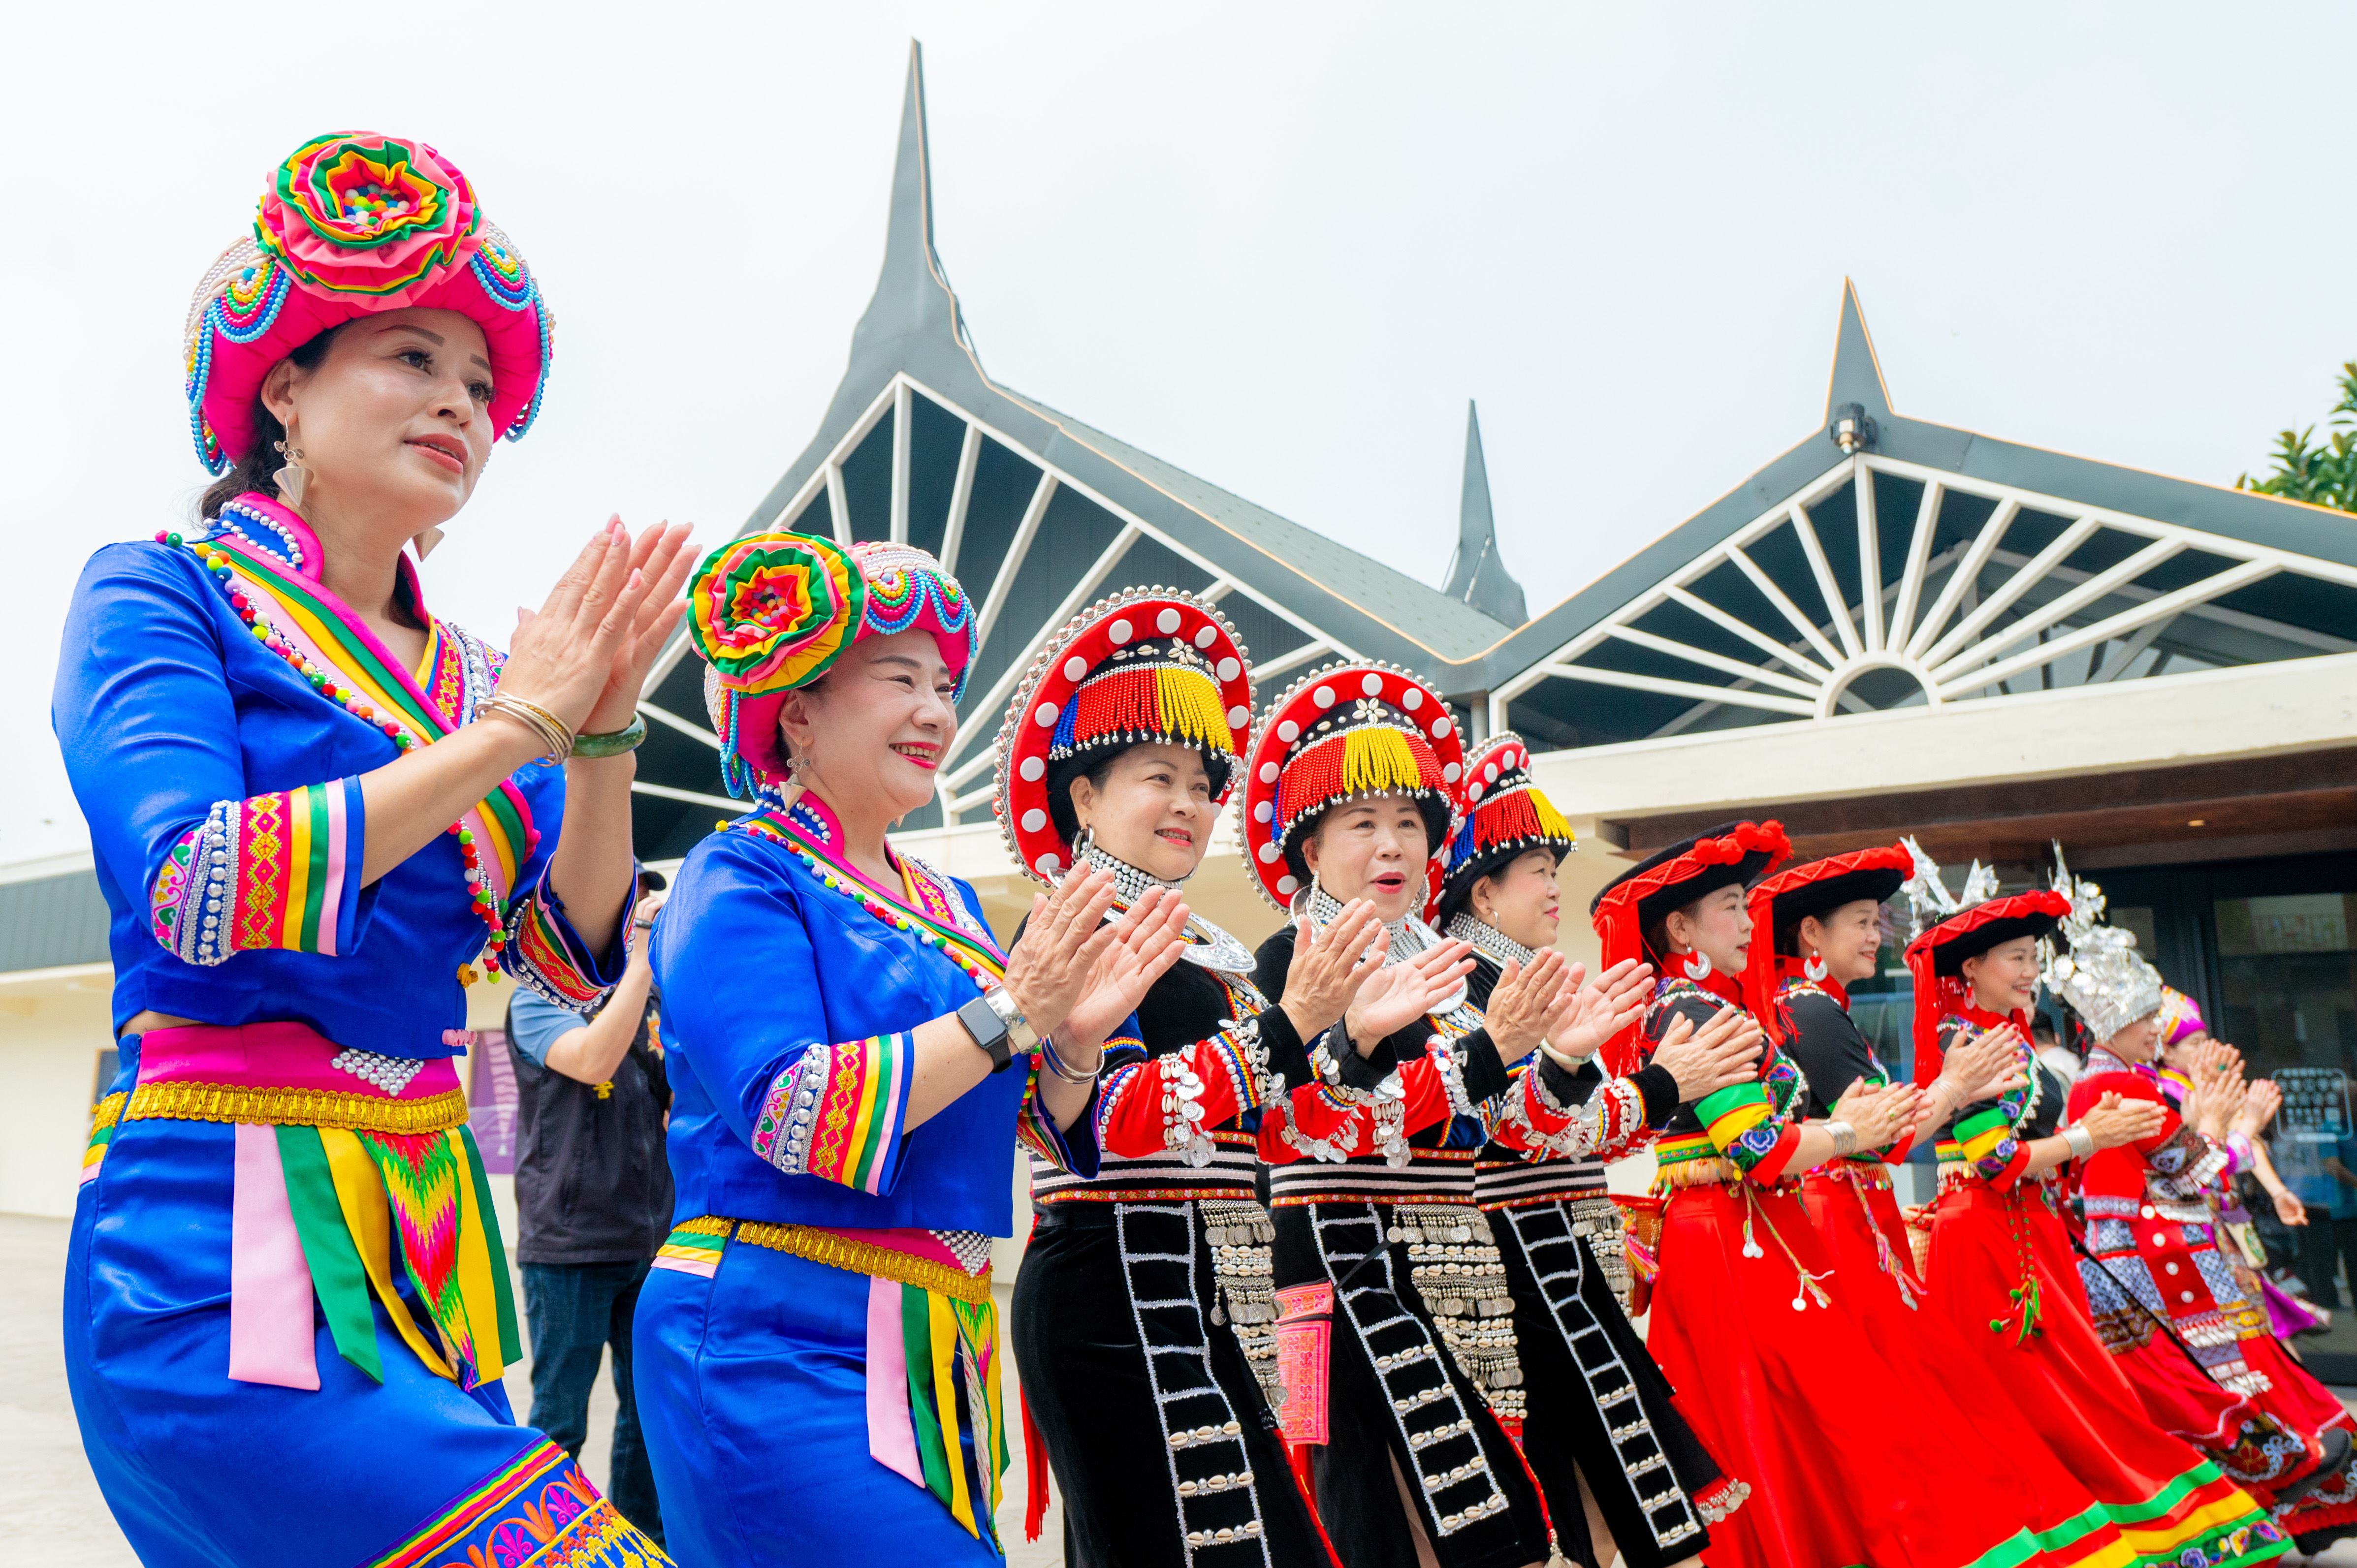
(612, 742)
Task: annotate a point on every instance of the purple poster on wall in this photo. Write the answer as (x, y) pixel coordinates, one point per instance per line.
(491, 1101)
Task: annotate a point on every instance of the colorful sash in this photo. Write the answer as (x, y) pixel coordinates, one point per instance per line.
(337, 1183)
(934, 1415)
(309, 620)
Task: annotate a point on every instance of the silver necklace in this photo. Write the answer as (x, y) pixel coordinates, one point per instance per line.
(1205, 944)
(1488, 940)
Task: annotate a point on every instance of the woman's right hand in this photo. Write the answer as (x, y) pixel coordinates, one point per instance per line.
(1878, 1113)
(1328, 966)
(2114, 1121)
(1056, 961)
(562, 657)
(1528, 998)
(1720, 1054)
(1397, 994)
(1984, 1067)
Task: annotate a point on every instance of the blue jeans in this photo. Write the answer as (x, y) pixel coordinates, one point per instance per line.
(575, 1311)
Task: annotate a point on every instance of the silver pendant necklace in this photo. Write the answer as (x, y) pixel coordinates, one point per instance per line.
(1204, 944)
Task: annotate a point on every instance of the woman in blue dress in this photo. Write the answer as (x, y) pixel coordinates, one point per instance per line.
(317, 817)
(853, 1059)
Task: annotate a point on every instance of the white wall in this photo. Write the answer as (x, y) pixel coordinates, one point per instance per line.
(53, 1024)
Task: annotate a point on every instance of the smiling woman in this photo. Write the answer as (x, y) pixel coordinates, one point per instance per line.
(319, 814)
(817, 1354)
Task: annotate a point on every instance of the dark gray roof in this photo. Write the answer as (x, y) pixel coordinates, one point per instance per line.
(52, 921)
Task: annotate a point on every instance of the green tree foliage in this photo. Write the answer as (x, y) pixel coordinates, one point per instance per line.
(2325, 475)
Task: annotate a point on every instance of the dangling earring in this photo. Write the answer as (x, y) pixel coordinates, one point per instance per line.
(1815, 968)
(1696, 965)
(1083, 842)
(292, 478)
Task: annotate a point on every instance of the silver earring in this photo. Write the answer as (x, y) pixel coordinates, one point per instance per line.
(1816, 968)
(292, 477)
(1083, 842)
(1696, 965)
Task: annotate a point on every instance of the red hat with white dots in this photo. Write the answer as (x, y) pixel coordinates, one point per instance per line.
(1346, 733)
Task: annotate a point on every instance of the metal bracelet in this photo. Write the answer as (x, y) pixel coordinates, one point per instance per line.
(2082, 1142)
(1844, 1138)
(1056, 1065)
(589, 747)
(554, 734)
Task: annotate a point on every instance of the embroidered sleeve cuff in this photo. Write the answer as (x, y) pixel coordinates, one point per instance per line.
(1074, 1149)
(837, 1112)
(271, 871)
(1741, 1122)
(547, 954)
(1772, 1162)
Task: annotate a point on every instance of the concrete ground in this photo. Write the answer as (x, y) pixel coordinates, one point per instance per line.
(50, 1510)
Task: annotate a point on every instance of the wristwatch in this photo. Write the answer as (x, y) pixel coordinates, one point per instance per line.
(992, 1020)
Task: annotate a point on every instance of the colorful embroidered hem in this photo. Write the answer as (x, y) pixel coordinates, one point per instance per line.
(271, 871)
(540, 1511)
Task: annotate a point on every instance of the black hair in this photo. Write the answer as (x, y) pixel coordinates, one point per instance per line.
(1096, 767)
(257, 467)
(1434, 814)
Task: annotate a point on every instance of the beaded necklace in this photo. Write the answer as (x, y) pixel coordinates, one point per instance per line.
(221, 568)
(981, 963)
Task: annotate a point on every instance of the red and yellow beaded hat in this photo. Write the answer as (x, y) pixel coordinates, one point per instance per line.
(1731, 855)
(773, 611)
(1147, 664)
(1781, 902)
(351, 224)
(1502, 814)
(1346, 733)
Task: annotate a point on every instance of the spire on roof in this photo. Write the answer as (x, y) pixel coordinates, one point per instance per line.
(1858, 374)
(912, 296)
(1477, 577)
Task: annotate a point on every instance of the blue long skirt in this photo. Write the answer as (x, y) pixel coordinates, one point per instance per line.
(201, 1472)
(753, 1401)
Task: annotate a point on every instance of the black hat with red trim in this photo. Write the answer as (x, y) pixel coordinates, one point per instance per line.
(1347, 732)
(1733, 854)
(1144, 665)
(1781, 902)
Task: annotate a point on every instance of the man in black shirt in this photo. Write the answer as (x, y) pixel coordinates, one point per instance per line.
(594, 1196)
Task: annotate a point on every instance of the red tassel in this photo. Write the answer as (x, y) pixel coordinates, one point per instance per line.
(1927, 1011)
(1035, 1474)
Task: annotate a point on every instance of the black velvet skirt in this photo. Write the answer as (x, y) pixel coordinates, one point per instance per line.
(1417, 1418)
(1153, 1423)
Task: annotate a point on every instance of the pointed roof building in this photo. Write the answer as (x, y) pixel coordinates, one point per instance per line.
(1477, 577)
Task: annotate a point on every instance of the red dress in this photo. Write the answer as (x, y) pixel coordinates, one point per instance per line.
(2083, 1443)
(1782, 1337)
(2152, 1254)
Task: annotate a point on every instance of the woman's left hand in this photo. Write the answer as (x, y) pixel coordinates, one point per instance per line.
(2288, 1208)
(1148, 944)
(660, 556)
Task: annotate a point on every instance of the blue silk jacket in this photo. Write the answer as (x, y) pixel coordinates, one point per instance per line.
(216, 705)
(789, 988)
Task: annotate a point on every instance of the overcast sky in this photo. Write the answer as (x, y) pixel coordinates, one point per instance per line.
(1278, 246)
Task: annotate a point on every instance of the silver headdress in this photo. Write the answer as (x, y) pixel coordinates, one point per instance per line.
(2106, 981)
(1929, 902)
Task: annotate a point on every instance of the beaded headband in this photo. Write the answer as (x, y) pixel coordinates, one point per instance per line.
(1345, 733)
(1145, 664)
(1503, 814)
(1814, 887)
(353, 225)
(1737, 853)
(771, 612)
